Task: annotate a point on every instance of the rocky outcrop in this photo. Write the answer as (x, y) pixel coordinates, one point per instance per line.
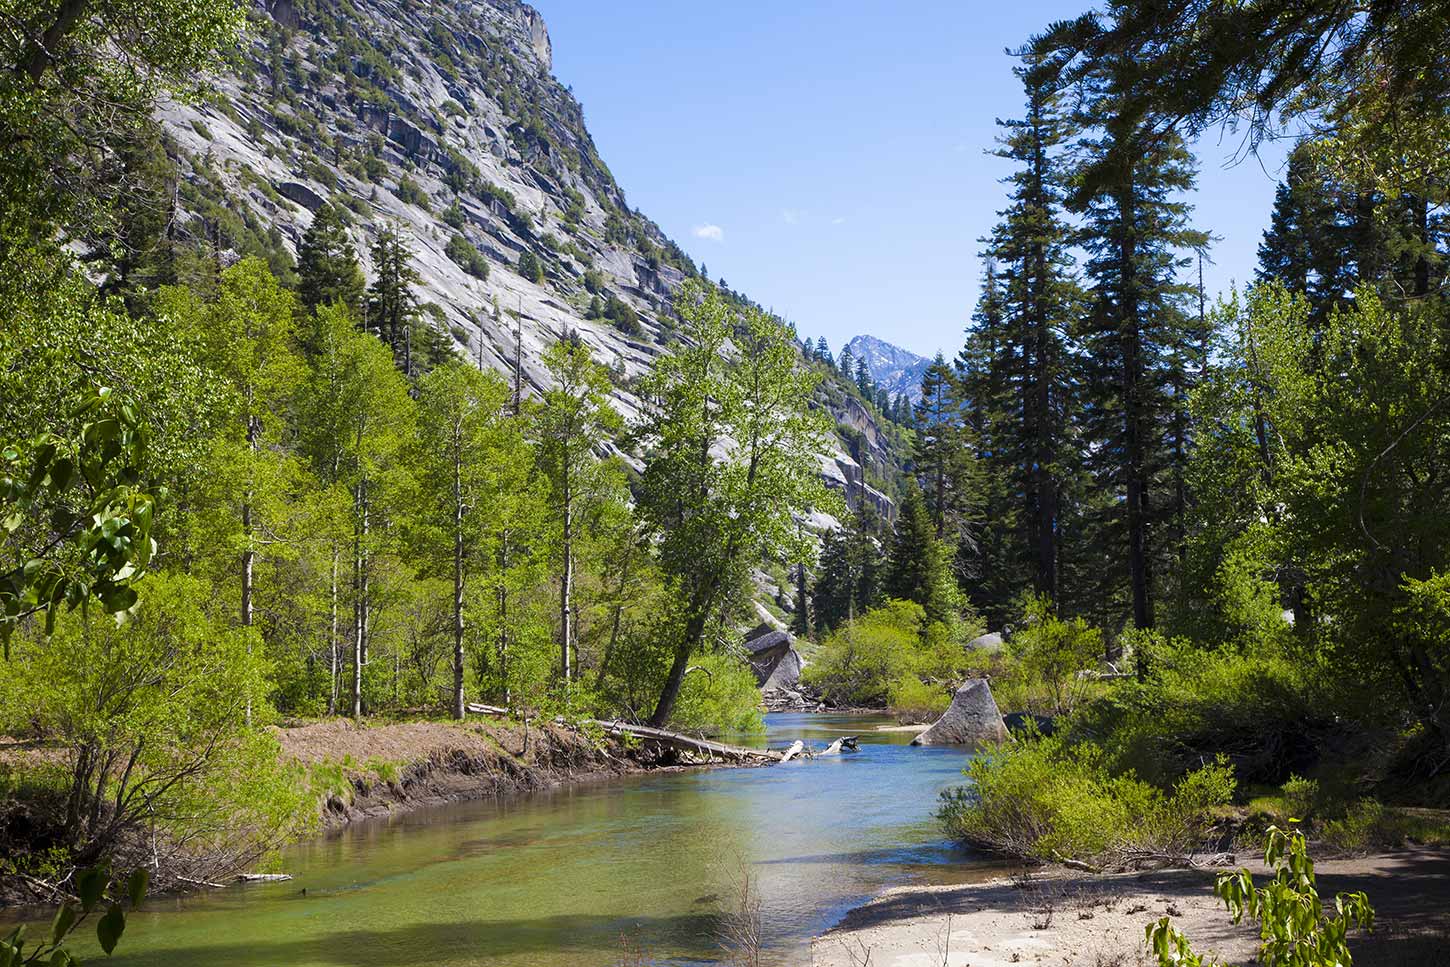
(972, 719)
(773, 658)
(991, 643)
(345, 103)
(894, 369)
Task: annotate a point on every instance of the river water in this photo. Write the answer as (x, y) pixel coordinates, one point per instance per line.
(593, 875)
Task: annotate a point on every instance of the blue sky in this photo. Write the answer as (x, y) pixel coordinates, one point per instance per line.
(828, 159)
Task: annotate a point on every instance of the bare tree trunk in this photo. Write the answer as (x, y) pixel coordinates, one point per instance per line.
(503, 614)
(566, 583)
(457, 579)
(249, 555)
(332, 642)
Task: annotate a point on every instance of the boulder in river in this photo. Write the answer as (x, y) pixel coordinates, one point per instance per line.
(971, 719)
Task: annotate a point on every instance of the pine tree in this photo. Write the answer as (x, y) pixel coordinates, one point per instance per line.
(943, 459)
(823, 352)
(849, 575)
(327, 264)
(392, 309)
(1038, 301)
(1135, 231)
(919, 565)
(847, 364)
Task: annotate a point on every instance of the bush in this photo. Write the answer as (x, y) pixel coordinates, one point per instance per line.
(1053, 651)
(859, 661)
(530, 267)
(409, 192)
(470, 259)
(1300, 797)
(911, 700)
(1044, 799)
(154, 715)
(719, 696)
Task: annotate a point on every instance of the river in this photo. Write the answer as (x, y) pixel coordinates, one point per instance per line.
(637, 870)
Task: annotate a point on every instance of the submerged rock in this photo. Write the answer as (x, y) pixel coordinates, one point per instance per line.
(972, 719)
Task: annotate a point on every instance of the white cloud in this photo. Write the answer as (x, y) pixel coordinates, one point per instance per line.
(791, 216)
(839, 220)
(709, 231)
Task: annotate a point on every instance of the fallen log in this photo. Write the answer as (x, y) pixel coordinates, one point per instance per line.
(687, 743)
(797, 747)
(674, 740)
(263, 877)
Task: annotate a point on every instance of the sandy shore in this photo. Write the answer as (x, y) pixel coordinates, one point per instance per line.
(1099, 921)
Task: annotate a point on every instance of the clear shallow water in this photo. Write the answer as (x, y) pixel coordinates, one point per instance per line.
(567, 877)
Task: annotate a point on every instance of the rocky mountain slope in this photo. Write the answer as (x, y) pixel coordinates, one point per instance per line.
(895, 369)
(443, 120)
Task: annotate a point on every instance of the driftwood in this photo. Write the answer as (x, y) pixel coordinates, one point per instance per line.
(796, 749)
(206, 883)
(847, 742)
(263, 877)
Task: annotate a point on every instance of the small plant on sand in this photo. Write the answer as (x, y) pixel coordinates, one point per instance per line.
(1293, 927)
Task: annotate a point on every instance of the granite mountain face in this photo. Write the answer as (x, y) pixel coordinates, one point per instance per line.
(894, 369)
(444, 121)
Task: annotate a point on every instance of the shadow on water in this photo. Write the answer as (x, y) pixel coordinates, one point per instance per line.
(516, 941)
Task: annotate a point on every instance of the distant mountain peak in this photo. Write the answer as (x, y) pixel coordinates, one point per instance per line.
(895, 369)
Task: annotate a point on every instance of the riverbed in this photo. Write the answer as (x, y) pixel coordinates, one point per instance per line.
(644, 869)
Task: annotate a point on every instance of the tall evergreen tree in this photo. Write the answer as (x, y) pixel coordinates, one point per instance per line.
(392, 308)
(919, 565)
(943, 458)
(1136, 229)
(327, 264)
(1039, 301)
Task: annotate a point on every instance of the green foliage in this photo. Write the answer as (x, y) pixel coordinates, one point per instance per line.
(530, 267)
(411, 193)
(327, 264)
(719, 695)
(1044, 798)
(1294, 928)
(716, 515)
(154, 714)
(470, 259)
(1053, 651)
(93, 885)
(892, 655)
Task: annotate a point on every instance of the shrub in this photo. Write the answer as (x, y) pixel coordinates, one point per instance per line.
(912, 700)
(1300, 797)
(859, 661)
(453, 215)
(1042, 798)
(1361, 829)
(1053, 651)
(411, 193)
(470, 259)
(530, 267)
(719, 696)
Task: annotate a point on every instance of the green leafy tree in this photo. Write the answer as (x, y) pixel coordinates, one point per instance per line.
(730, 454)
(79, 81)
(573, 419)
(1053, 650)
(465, 454)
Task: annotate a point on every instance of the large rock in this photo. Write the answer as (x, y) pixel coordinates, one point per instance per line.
(991, 643)
(971, 719)
(773, 657)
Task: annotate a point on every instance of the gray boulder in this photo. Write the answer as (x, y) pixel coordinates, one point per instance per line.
(971, 719)
(991, 643)
(773, 658)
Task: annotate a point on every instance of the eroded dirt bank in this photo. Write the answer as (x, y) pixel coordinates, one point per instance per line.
(377, 769)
